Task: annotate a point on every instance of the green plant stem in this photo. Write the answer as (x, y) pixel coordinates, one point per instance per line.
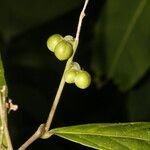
(55, 103)
(82, 15)
(62, 83)
(46, 127)
(3, 117)
(59, 91)
(68, 64)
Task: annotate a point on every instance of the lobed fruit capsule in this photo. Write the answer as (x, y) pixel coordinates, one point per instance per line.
(75, 66)
(82, 79)
(53, 41)
(63, 50)
(70, 39)
(70, 75)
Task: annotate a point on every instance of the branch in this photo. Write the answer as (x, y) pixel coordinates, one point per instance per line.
(3, 112)
(62, 82)
(82, 15)
(34, 137)
(46, 127)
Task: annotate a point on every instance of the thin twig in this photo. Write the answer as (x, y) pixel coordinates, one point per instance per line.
(34, 137)
(82, 15)
(40, 132)
(55, 103)
(3, 116)
(62, 83)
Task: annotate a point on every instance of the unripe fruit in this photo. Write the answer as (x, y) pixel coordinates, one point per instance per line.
(63, 50)
(4, 142)
(70, 39)
(82, 79)
(75, 66)
(70, 75)
(53, 41)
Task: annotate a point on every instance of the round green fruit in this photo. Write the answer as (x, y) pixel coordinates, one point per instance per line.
(53, 41)
(82, 79)
(63, 50)
(70, 76)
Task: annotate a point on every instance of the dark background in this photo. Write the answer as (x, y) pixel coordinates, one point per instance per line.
(33, 74)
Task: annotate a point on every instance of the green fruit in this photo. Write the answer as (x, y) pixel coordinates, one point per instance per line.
(63, 50)
(75, 66)
(4, 141)
(82, 79)
(53, 41)
(70, 39)
(70, 76)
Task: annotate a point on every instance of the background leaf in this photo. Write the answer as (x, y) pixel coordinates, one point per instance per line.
(124, 136)
(138, 102)
(122, 42)
(18, 16)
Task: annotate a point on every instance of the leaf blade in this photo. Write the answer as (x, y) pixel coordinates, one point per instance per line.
(123, 136)
(2, 78)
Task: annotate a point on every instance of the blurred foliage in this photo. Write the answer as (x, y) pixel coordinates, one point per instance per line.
(138, 103)
(122, 42)
(18, 16)
(114, 47)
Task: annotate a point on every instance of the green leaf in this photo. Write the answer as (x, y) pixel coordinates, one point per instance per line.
(109, 136)
(121, 49)
(18, 16)
(2, 78)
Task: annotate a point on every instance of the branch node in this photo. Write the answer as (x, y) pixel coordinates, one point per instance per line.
(10, 106)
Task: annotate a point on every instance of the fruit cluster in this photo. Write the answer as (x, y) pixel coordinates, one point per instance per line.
(62, 47)
(63, 50)
(81, 78)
